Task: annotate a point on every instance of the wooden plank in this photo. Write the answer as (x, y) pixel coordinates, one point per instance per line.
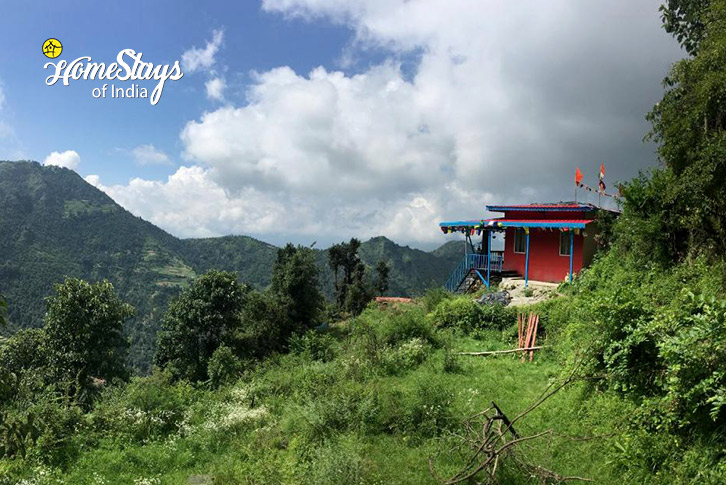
(534, 337)
(507, 351)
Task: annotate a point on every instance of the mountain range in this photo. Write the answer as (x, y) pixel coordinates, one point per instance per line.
(54, 224)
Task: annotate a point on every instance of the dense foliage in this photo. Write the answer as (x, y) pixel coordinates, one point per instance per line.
(203, 317)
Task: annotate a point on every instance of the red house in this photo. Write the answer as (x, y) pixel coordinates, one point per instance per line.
(542, 242)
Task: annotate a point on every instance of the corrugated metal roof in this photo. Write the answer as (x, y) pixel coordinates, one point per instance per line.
(556, 223)
(565, 206)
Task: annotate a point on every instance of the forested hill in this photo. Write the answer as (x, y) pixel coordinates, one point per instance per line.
(54, 224)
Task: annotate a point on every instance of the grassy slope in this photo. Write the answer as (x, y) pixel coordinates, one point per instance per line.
(315, 422)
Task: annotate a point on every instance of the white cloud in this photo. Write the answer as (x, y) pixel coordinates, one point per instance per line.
(502, 101)
(190, 203)
(150, 155)
(67, 159)
(215, 88)
(196, 59)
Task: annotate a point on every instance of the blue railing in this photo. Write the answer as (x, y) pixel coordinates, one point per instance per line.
(473, 261)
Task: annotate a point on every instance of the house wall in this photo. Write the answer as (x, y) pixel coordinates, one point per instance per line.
(545, 262)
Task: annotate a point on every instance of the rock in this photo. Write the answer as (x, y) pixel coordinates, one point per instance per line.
(200, 480)
(496, 298)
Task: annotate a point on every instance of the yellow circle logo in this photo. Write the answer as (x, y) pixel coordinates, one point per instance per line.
(52, 48)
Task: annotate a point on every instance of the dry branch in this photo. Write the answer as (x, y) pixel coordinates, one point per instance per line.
(490, 437)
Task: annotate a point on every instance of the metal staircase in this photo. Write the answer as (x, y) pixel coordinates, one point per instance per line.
(471, 271)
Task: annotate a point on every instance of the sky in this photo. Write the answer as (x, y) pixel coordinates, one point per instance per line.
(321, 120)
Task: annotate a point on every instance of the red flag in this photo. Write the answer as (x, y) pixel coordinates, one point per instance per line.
(578, 176)
(602, 171)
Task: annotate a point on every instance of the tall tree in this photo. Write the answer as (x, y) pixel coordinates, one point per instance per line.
(382, 276)
(84, 331)
(295, 283)
(198, 321)
(352, 291)
(682, 207)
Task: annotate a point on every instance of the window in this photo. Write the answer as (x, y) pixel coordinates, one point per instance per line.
(565, 243)
(520, 241)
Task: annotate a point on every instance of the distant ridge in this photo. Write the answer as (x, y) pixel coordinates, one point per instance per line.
(54, 224)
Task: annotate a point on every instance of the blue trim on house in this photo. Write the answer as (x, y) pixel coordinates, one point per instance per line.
(573, 225)
(461, 223)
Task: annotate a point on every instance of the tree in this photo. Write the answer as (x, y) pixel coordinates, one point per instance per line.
(203, 317)
(295, 283)
(26, 350)
(683, 204)
(352, 292)
(84, 332)
(382, 272)
(686, 21)
(266, 326)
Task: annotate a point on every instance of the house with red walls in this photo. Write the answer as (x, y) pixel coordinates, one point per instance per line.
(542, 242)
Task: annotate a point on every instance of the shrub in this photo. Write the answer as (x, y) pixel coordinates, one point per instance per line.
(148, 408)
(433, 297)
(314, 344)
(467, 315)
(460, 313)
(497, 317)
(407, 356)
(224, 367)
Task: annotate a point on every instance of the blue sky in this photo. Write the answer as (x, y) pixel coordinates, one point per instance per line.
(57, 118)
(320, 120)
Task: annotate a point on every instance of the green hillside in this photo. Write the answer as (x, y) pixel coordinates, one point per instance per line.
(53, 224)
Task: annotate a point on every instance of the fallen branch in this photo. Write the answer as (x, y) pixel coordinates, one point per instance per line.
(508, 351)
(488, 438)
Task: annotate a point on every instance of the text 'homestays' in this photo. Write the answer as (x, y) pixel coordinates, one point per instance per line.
(128, 67)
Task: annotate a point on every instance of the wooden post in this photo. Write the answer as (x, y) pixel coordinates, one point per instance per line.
(527, 339)
(534, 337)
(520, 319)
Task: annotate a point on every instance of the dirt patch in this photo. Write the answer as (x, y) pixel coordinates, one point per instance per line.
(536, 291)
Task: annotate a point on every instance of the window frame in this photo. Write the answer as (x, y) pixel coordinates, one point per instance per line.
(568, 234)
(519, 232)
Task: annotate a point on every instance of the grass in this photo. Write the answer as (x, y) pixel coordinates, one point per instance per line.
(351, 419)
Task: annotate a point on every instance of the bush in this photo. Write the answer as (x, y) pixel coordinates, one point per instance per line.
(148, 408)
(424, 412)
(377, 333)
(224, 367)
(407, 356)
(461, 313)
(433, 297)
(467, 315)
(497, 317)
(314, 344)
